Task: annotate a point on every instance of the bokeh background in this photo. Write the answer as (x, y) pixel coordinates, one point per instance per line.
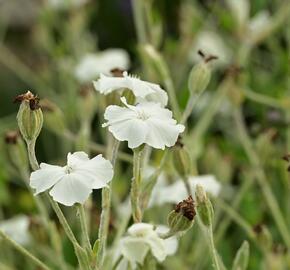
(239, 130)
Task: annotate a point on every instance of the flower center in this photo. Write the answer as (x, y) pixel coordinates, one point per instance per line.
(142, 115)
(68, 169)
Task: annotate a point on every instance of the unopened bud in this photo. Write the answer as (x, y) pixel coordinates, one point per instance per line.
(182, 218)
(53, 116)
(181, 160)
(263, 236)
(29, 117)
(16, 150)
(204, 207)
(199, 76)
(242, 257)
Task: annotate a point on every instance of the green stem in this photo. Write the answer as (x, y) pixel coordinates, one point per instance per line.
(212, 248)
(105, 215)
(31, 155)
(136, 186)
(189, 108)
(23, 251)
(139, 20)
(84, 228)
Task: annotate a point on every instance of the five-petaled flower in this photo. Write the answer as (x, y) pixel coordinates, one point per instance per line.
(74, 182)
(147, 122)
(141, 89)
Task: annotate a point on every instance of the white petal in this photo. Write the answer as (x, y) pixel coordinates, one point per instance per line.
(162, 134)
(134, 131)
(208, 182)
(17, 228)
(77, 158)
(96, 172)
(140, 229)
(134, 249)
(116, 114)
(70, 190)
(157, 247)
(106, 84)
(171, 243)
(45, 177)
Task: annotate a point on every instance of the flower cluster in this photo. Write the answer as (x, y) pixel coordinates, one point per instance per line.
(146, 122)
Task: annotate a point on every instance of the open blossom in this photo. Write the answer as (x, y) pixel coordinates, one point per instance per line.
(93, 64)
(142, 238)
(178, 191)
(141, 89)
(147, 122)
(17, 228)
(74, 182)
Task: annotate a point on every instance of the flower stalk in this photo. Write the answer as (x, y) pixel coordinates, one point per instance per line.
(136, 186)
(106, 210)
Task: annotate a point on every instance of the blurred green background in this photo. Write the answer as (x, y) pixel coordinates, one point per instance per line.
(239, 130)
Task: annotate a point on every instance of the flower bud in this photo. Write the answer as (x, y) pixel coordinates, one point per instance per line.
(181, 160)
(242, 257)
(54, 119)
(29, 117)
(182, 218)
(199, 77)
(16, 150)
(204, 207)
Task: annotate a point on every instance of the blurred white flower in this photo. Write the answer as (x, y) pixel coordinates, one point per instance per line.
(259, 22)
(147, 122)
(240, 10)
(176, 192)
(210, 43)
(17, 228)
(93, 64)
(141, 89)
(74, 182)
(64, 4)
(141, 238)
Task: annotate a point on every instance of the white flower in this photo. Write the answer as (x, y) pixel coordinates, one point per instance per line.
(17, 228)
(240, 10)
(141, 238)
(259, 22)
(74, 182)
(141, 89)
(93, 64)
(147, 122)
(176, 192)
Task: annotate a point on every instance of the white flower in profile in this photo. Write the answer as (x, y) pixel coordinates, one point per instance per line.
(74, 182)
(178, 191)
(17, 228)
(93, 64)
(141, 89)
(142, 238)
(147, 122)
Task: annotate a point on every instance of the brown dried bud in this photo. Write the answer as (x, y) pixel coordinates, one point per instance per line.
(29, 97)
(186, 208)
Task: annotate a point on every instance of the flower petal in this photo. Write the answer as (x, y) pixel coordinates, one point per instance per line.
(70, 190)
(45, 177)
(162, 133)
(77, 158)
(106, 84)
(134, 249)
(157, 247)
(96, 173)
